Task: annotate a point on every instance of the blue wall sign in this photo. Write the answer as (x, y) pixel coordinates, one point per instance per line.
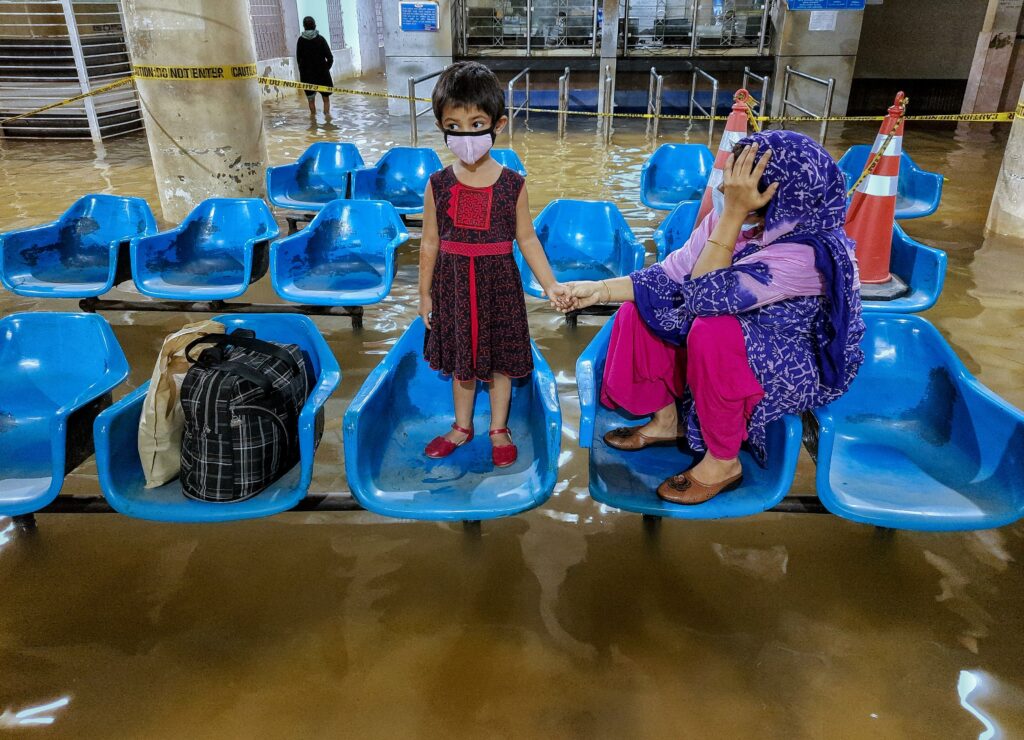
(419, 16)
(826, 4)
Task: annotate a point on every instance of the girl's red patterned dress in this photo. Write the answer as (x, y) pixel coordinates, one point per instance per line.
(479, 324)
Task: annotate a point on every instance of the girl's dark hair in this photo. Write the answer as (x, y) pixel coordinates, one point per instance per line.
(308, 23)
(466, 84)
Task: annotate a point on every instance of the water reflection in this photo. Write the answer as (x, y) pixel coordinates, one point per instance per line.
(37, 716)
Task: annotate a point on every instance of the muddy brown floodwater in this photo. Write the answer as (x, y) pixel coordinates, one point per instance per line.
(567, 621)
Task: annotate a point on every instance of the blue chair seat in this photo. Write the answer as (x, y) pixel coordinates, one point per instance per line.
(320, 175)
(921, 267)
(674, 173)
(509, 158)
(583, 240)
(399, 177)
(918, 192)
(404, 404)
(345, 257)
(675, 230)
(629, 480)
(217, 251)
(917, 442)
(77, 255)
(58, 369)
(117, 428)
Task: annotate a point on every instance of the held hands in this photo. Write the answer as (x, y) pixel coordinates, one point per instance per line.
(583, 293)
(740, 181)
(560, 295)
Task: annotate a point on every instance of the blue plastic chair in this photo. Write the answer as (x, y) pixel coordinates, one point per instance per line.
(58, 371)
(629, 480)
(75, 256)
(404, 404)
(674, 173)
(583, 240)
(345, 257)
(921, 267)
(918, 191)
(218, 250)
(319, 176)
(399, 177)
(117, 447)
(675, 230)
(509, 158)
(917, 442)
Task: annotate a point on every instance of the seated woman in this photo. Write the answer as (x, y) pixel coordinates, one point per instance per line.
(757, 316)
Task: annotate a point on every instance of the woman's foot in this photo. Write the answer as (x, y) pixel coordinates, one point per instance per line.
(503, 452)
(447, 444)
(703, 481)
(662, 429)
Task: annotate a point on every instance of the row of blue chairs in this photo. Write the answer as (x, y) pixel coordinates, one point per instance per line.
(679, 172)
(345, 257)
(930, 450)
(327, 171)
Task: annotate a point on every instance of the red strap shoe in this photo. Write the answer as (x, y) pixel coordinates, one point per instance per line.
(503, 455)
(441, 447)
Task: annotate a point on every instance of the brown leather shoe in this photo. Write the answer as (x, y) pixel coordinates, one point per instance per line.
(685, 489)
(632, 439)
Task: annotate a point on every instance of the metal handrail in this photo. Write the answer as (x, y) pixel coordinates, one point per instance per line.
(693, 28)
(826, 109)
(563, 102)
(697, 71)
(764, 28)
(512, 110)
(609, 102)
(414, 133)
(763, 104)
(654, 90)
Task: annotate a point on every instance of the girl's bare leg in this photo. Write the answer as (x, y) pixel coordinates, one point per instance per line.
(464, 393)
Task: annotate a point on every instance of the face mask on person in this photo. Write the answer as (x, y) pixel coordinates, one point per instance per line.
(469, 146)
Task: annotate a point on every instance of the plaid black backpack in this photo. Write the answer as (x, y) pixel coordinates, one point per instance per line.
(241, 400)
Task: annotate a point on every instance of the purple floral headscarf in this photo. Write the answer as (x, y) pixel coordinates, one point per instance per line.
(809, 208)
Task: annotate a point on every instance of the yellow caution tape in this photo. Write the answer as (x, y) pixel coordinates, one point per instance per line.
(193, 74)
(95, 91)
(249, 71)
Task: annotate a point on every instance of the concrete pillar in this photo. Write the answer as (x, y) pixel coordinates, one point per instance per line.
(205, 138)
(609, 51)
(414, 53)
(829, 52)
(1006, 214)
(992, 57)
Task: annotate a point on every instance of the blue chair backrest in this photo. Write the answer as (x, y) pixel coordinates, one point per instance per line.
(408, 167)
(595, 228)
(323, 164)
(219, 223)
(508, 158)
(353, 225)
(100, 219)
(58, 354)
(681, 168)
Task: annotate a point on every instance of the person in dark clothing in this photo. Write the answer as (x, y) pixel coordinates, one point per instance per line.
(313, 54)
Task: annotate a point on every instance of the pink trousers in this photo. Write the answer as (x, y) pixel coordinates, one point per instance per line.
(643, 374)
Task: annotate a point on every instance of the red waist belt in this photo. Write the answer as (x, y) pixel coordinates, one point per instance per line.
(467, 249)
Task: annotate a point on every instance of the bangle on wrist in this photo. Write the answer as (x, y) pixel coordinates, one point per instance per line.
(719, 244)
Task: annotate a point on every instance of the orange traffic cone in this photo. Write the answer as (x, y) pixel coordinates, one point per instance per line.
(735, 129)
(872, 212)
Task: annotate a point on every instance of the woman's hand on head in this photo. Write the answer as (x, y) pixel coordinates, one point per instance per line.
(740, 182)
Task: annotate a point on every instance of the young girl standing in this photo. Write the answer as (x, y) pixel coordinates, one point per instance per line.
(471, 295)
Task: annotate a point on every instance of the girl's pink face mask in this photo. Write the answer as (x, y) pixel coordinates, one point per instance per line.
(469, 146)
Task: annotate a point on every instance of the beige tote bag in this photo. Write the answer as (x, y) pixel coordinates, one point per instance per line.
(163, 421)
